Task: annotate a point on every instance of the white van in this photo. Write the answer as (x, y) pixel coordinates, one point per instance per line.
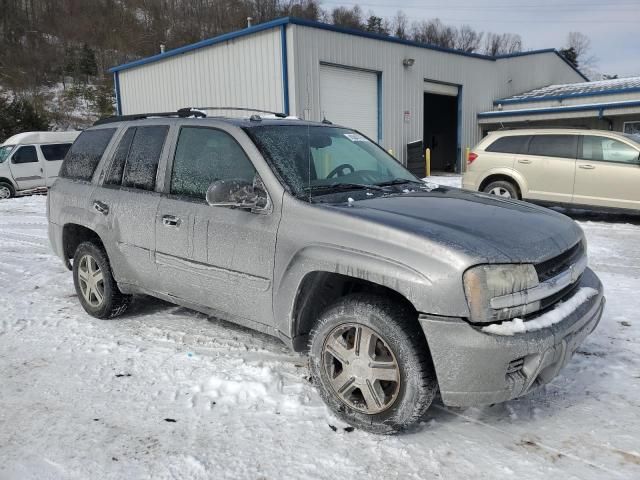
(30, 161)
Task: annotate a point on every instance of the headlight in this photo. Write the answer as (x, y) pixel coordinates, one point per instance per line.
(485, 282)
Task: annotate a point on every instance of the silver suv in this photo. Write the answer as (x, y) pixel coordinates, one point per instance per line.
(312, 233)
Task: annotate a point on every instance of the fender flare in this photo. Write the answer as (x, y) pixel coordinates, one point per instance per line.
(383, 271)
(517, 177)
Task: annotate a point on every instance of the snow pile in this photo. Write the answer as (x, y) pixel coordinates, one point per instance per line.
(559, 313)
(252, 387)
(444, 180)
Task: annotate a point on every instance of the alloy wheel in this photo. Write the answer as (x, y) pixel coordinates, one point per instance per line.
(361, 368)
(500, 191)
(91, 281)
(4, 192)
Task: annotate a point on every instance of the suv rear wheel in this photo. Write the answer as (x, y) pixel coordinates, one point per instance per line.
(371, 364)
(502, 188)
(6, 190)
(95, 285)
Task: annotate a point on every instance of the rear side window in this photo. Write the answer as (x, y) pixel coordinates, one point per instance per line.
(85, 153)
(509, 144)
(563, 146)
(204, 155)
(26, 154)
(605, 149)
(114, 176)
(56, 151)
(141, 164)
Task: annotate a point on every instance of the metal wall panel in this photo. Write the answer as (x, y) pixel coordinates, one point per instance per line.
(244, 72)
(402, 87)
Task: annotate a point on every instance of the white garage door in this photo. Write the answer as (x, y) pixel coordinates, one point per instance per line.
(350, 98)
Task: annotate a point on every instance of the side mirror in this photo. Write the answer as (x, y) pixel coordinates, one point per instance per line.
(237, 193)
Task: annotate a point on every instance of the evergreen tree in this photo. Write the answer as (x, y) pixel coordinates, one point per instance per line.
(570, 55)
(87, 62)
(19, 115)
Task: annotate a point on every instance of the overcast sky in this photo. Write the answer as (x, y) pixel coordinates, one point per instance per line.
(612, 25)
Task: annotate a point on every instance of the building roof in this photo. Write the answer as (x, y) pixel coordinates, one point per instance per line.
(281, 22)
(600, 107)
(575, 90)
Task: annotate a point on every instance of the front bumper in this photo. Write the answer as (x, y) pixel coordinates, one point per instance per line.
(478, 368)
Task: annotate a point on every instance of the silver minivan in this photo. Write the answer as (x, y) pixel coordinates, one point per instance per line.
(568, 167)
(30, 161)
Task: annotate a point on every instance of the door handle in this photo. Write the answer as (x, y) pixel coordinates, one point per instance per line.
(526, 162)
(586, 167)
(170, 221)
(100, 207)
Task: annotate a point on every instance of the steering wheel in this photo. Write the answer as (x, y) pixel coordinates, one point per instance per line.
(339, 170)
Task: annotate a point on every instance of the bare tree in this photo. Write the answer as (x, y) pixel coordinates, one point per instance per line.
(502, 43)
(400, 25)
(434, 32)
(468, 40)
(348, 17)
(581, 45)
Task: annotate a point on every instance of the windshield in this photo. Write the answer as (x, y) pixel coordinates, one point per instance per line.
(315, 159)
(5, 151)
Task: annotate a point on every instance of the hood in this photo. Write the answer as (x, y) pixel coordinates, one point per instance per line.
(486, 228)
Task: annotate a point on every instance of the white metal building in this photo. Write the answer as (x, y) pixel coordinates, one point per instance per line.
(394, 91)
(606, 105)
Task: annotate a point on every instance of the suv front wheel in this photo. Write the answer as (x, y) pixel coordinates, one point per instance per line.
(371, 363)
(95, 285)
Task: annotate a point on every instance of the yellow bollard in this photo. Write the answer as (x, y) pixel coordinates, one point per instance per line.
(466, 155)
(427, 161)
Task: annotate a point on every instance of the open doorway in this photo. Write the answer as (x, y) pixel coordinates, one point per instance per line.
(440, 132)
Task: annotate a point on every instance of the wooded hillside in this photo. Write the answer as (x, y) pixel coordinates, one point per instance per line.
(55, 53)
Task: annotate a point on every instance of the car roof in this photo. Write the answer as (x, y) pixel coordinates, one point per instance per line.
(41, 137)
(559, 131)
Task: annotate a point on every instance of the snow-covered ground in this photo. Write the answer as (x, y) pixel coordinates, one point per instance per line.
(168, 393)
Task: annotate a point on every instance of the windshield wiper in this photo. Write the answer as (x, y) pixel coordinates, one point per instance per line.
(343, 186)
(398, 181)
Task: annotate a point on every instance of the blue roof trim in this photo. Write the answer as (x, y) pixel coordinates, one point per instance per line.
(564, 96)
(522, 54)
(204, 43)
(322, 26)
(571, 108)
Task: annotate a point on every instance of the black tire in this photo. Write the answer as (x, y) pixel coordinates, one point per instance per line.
(4, 187)
(114, 302)
(396, 325)
(502, 185)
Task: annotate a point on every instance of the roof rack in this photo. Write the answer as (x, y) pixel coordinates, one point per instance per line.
(243, 109)
(181, 113)
(198, 112)
(550, 127)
